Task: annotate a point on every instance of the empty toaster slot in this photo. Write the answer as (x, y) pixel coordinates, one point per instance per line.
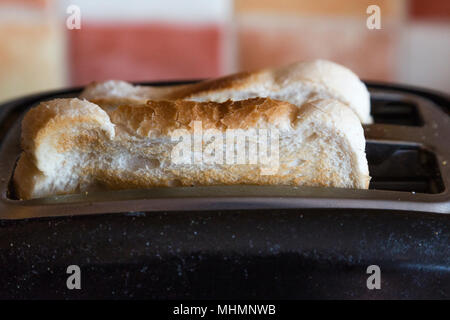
(395, 112)
(403, 168)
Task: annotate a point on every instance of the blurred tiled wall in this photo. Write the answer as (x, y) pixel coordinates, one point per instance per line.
(283, 31)
(149, 40)
(177, 39)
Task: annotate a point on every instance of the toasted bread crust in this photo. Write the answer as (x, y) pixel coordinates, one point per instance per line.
(160, 118)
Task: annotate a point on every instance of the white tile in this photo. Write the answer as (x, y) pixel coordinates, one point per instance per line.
(195, 11)
(424, 57)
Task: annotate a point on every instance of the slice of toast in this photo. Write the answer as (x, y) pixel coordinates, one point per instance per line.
(295, 83)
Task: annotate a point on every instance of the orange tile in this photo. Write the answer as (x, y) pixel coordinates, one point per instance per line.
(389, 8)
(370, 53)
(28, 3)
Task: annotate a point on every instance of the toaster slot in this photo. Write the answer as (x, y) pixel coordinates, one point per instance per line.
(403, 168)
(395, 112)
(392, 167)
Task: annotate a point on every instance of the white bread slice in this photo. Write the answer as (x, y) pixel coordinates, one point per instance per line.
(295, 83)
(72, 145)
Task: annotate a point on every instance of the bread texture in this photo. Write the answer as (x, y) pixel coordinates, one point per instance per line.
(73, 145)
(295, 83)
